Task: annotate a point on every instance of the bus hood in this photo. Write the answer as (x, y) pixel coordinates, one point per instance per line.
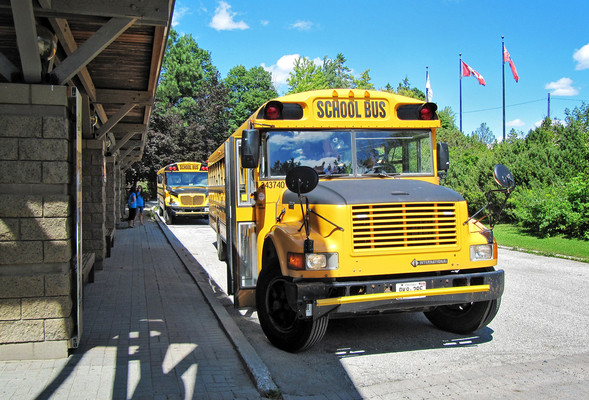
(375, 191)
(178, 190)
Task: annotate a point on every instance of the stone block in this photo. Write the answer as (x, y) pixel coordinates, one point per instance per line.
(58, 284)
(56, 127)
(59, 329)
(10, 309)
(57, 251)
(45, 229)
(56, 172)
(56, 206)
(21, 252)
(46, 307)
(8, 148)
(44, 149)
(20, 126)
(9, 229)
(21, 171)
(49, 95)
(15, 206)
(16, 287)
(22, 331)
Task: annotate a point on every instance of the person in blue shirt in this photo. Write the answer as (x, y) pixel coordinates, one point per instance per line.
(132, 203)
(140, 203)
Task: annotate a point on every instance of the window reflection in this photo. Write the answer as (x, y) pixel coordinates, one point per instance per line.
(338, 152)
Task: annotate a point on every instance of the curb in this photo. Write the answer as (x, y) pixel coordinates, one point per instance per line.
(254, 365)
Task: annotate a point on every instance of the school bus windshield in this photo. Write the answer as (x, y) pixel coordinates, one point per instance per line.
(187, 178)
(357, 152)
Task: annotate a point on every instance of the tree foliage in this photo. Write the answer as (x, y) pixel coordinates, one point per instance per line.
(550, 166)
(247, 91)
(331, 74)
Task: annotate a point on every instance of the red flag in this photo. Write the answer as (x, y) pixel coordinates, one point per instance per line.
(468, 71)
(507, 58)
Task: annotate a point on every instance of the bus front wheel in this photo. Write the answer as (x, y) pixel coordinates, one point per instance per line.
(168, 218)
(464, 318)
(279, 321)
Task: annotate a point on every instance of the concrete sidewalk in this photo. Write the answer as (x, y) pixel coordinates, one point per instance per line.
(151, 331)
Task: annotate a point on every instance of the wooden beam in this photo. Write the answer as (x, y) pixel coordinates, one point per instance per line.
(128, 128)
(107, 34)
(122, 142)
(111, 96)
(112, 121)
(149, 12)
(66, 39)
(26, 39)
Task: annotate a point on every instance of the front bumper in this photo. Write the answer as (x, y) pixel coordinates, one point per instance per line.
(188, 211)
(318, 298)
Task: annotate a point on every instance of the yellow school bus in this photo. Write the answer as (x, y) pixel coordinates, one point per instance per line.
(328, 204)
(182, 190)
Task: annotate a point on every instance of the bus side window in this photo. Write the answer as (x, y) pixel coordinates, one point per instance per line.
(160, 178)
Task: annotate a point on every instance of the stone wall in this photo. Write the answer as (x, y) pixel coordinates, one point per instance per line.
(93, 199)
(37, 223)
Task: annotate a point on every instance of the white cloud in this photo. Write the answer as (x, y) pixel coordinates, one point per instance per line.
(302, 25)
(283, 67)
(515, 123)
(264, 22)
(223, 19)
(562, 87)
(281, 70)
(581, 56)
(179, 13)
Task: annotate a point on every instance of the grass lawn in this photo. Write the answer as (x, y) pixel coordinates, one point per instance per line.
(513, 237)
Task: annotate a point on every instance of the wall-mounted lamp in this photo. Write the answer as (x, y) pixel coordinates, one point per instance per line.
(46, 43)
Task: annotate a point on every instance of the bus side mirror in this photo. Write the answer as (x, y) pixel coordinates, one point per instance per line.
(443, 157)
(250, 148)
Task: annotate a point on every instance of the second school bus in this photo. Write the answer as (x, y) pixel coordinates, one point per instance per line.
(182, 190)
(328, 204)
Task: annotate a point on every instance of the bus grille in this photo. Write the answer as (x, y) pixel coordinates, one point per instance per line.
(398, 226)
(192, 199)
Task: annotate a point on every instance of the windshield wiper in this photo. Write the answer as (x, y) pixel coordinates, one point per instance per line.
(384, 174)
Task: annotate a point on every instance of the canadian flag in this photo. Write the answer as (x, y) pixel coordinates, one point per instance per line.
(507, 58)
(468, 71)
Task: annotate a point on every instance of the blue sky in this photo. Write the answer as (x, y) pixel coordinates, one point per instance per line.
(548, 42)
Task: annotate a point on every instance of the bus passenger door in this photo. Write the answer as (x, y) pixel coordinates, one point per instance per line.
(242, 260)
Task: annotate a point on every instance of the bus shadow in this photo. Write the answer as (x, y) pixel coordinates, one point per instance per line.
(348, 338)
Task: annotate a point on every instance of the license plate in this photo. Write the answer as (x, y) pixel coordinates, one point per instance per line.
(410, 287)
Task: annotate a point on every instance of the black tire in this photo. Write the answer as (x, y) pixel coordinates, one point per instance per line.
(221, 247)
(168, 218)
(279, 321)
(464, 318)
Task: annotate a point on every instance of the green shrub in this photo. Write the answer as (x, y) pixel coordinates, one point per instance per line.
(554, 210)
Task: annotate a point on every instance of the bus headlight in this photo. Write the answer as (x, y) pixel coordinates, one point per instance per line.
(312, 261)
(481, 252)
(173, 202)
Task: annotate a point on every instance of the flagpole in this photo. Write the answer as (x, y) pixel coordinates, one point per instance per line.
(503, 71)
(426, 88)
(460, 75)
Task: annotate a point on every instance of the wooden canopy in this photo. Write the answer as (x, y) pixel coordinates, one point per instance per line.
(110, 50)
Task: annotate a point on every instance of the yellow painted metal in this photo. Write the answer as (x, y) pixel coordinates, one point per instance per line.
(400, 295)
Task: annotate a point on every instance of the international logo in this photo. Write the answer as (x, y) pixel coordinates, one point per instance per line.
(417, 263)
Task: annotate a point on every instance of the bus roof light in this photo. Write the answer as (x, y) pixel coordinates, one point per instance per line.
(273, 110)
(428, 111)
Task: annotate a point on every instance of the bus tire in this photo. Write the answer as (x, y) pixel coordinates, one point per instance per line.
(168, 218)
(464, 318)
(221, 247)
(278, 321)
